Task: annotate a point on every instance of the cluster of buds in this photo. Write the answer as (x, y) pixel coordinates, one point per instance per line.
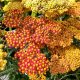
(31, 61)
(13, 18)
(17, 38)
(2, 56)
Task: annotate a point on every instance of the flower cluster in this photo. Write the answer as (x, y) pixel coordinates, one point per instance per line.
(60, 64)
(73, 58)
(74, 22)
(75, 10)
(13, 18)
(31, 61)
(56, 26)
(2, 56)
(32, 30)
(36, 77)
(42, 33)
(42, 6)
(73, 26)
(12, 6)
(30, 51)
(18, 38)
(64, 38)
(65, 60)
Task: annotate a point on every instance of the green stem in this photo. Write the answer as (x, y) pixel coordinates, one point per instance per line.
(10, 29)
(68, 75)
(33, 14)
(76, 76)
(3, 32)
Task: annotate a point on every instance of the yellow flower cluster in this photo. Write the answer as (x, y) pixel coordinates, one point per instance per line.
(66, 60)
(46, 5)
(72, 55)
(57, 7)
(36, 77)
(2, 56)
(13, 5)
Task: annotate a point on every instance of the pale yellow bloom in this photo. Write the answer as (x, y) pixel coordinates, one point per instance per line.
(46, 5)
(13, 5)
(72, 55)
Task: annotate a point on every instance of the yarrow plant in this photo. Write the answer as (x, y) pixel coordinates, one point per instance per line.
(42, 6)
(3, 61)
(41, 39)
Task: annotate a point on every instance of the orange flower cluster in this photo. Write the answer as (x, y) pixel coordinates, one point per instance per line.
(30, 51)
(55, 28)
(31, 61)
(18, 38)
(13, 18)
(64, 59)
(73, 22)
(64, 38)
(58, 59)
(75, 10)
(58, 65)
(73, 26)
(33, 34)
(42, 33)
(33, 30)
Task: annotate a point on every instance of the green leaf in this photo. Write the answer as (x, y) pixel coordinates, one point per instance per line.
(2, 73)
(25, 77)
(10, 51)
(12, 63)
(63, 17)
(1, 18)
(68, 79)
(46, 52)
(12, 68)
(12, 77)
(33, 14)
(76, 42)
